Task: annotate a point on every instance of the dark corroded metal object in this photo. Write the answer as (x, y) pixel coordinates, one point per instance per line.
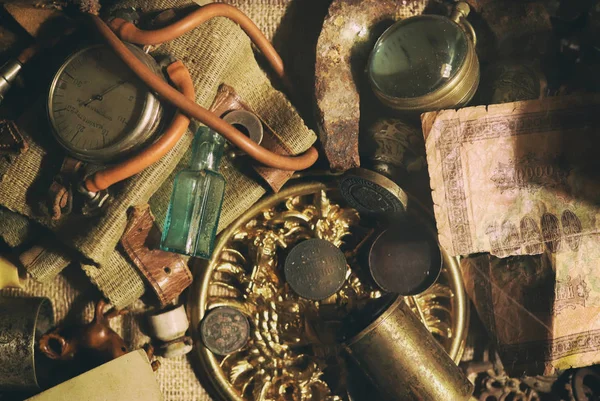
(22, 322)
(397, 352)
(348, 34)
(315, 269)
(371, 192)
(225, 330)
(513, 29)
(585, 385)
(511, 81)
(393, 147)
(405, 262)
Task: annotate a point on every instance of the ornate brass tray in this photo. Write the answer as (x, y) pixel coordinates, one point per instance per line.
(293, 353)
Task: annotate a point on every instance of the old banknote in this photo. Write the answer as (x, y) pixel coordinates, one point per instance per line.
(517, 178)
(541, 310)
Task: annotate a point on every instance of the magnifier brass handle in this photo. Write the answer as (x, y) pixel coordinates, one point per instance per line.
(470, 30)
(459, 15)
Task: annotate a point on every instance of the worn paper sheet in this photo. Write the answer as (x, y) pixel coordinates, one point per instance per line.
(516, 178)
(523, 179)
(542, 310)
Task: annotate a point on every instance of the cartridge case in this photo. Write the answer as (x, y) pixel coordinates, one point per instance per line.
(404, 360)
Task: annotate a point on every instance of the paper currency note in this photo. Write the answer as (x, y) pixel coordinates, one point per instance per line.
(541, 310)
(516, 178)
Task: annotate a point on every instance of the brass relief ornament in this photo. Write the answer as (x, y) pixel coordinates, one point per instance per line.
(293, 351)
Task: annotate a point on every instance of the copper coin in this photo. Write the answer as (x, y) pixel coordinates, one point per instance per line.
(315, 269)
(225, 330)
(405, 263)
(371, 192)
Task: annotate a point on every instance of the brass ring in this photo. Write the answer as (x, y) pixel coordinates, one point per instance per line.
(209, 365)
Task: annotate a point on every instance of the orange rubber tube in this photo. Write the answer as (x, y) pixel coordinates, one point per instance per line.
(193, 110)
(103, 179)
(130, 33)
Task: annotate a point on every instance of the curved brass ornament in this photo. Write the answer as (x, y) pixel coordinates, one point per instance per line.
(294, 352)
(456, 85)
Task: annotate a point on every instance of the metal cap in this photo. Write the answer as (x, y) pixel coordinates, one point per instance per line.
(405, 262)
(371, 192)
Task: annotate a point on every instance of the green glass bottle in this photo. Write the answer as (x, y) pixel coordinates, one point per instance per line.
(195, 207)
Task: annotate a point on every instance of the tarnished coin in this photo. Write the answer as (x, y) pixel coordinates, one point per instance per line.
(371, 192)
(315, 269)
(225, 330)
(405, 262)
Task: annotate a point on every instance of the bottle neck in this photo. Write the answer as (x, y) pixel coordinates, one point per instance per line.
(208, 150)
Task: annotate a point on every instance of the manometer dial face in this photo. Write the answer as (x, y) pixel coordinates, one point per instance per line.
(99, 110)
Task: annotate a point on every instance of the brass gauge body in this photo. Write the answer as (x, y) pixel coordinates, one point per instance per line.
(425, 63)
(98, 109)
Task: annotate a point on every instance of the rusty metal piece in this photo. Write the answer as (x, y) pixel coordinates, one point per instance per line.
(60, 193)
(349, 33)
(502, 387)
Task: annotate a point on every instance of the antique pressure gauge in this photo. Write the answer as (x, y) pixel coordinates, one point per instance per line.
(98, 109)
(425, 63)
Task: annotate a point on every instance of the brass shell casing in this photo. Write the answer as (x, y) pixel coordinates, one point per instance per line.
(457, 92)
(404, 360)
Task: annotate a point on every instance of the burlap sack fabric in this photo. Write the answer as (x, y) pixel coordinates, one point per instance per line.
(71, 293)
(217, 52)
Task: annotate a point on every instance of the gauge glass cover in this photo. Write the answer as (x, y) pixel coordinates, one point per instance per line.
(98, 108)
(417, 56)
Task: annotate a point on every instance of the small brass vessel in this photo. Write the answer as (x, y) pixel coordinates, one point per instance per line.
(426, 63)
(404, 360)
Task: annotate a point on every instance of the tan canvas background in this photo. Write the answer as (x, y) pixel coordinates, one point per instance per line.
(216, 52)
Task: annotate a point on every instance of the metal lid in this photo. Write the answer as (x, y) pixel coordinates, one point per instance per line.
(371, 192)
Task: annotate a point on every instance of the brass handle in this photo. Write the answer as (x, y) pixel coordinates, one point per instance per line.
(470, 30)
(459, 15)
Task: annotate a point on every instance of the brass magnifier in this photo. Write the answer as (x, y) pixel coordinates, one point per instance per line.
(426, 62)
